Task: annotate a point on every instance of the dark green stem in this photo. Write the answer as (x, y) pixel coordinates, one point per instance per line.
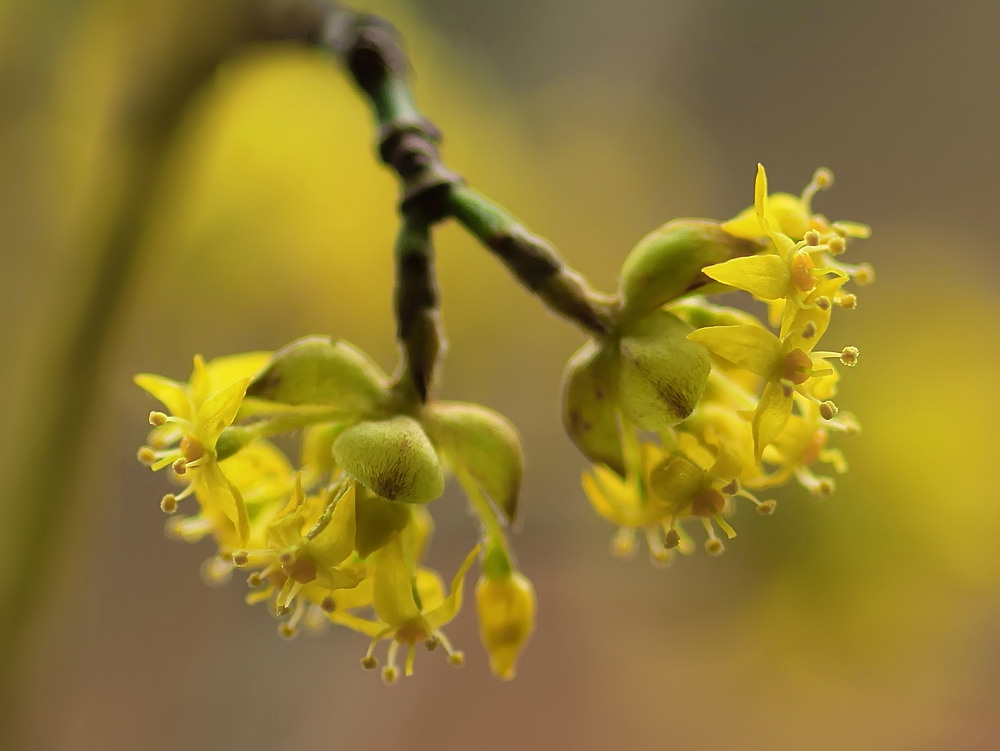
(418, 323)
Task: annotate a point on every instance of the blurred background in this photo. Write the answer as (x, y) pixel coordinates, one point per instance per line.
(869, 620)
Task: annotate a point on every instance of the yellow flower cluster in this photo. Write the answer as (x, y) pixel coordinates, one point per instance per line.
(752, 402)
(340, 538)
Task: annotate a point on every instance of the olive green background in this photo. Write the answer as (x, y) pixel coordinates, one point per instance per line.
(867, 621)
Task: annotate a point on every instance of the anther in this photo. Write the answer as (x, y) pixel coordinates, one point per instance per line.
(255, 580)
(809, 330)
(216, 571)
(766, 508)
(179, 467)
(369, 662)
(457, 659)
(836, 245)
(168, 504)
(431, 643)
(787, 389)
(389, 675)
(328, 604)
(241, 558)
(812, 238)
(848, 301)
(673, 539)
(732, 487)
(714, 546)
(157, 419)
(823, 178)
(623, 543)
(864, 274)
(849, 356)
(145, 455)
(823, 302)
(824, 488)
(287, 631)
(827, 410)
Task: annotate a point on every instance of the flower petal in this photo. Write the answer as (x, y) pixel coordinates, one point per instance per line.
(764, 276)
(173, 395)
(746, 346)
(771, 415)
(392, 585)
(449, 608)
(218, 412)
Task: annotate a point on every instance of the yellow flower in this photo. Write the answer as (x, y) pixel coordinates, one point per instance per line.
(308, 553)
(789, 274)
(186, 439)
(786, 363)
(410, 606)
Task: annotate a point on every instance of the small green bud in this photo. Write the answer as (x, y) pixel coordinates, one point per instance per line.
(588, 396)
(393, 458)
(668, 261)
(662, 374)
(322, 371)
(506, 609)
(484, 444)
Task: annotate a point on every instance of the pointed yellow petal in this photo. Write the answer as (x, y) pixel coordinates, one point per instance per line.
(371, 629)
(772, 414)
(745, 225)
(173, 395)
(227, 497)
(218, 412)
(222, 371)
(450, 607)
(611, 497)
(336, 541)
(392, 585)
(199, 381)
(766, 216)
(746, 346)
(765, 276)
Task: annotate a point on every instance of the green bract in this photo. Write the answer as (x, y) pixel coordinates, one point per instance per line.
(321, 371)
(483, 444)
(589, 405)
(662, 374)
(668, 261)
(393, 458)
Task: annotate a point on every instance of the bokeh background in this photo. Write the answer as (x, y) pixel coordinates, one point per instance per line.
(867, 621)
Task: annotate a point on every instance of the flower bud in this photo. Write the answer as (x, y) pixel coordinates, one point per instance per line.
(506, 609)
(393, 458)
(667, 262)
(322, 371)
(588, 395)
(484, 444)
(662, 374)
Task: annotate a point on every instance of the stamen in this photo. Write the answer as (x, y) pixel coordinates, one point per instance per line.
(431, 643)
(168, 504)
(369, 662)
(315, 620)
(848, 301)
(827, 410)
(809, 330)
(260, 595)
(241, 558)
(455, 657)
(390, 672)
(146, 456)
(289, 629)
(659, 556)
(673, 539)
(822, 179)
(822, 302)
(623, 543)
(411, 653)
(157, 419)
(864, 274)
(216, 571)
(849, 356)
(812, 238)
(188, 528)
(818, 487)
(836, 245)
(328, 604)
(179, 467)
(255, 580)
(766, 508)
(713, 545)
